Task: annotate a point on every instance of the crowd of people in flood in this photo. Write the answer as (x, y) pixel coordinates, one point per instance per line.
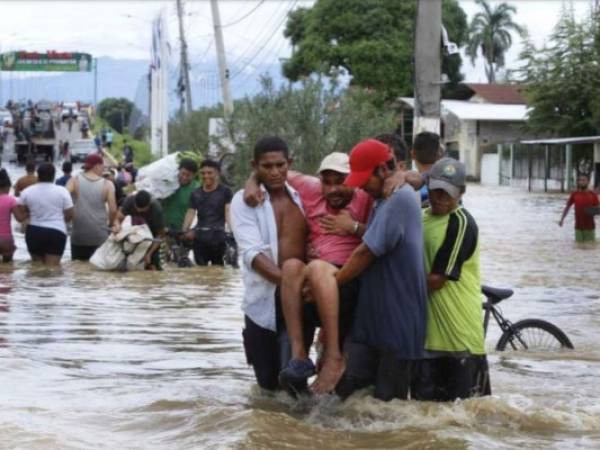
(383, 260)
(88, 206)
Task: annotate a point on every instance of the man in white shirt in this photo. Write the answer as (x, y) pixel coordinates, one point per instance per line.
(267, 236)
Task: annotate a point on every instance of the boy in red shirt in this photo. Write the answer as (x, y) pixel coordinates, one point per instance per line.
(583, 199)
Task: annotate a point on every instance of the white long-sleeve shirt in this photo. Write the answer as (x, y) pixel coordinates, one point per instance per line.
(255, 231)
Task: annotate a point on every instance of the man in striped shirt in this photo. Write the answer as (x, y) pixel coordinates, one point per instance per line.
(455, 365)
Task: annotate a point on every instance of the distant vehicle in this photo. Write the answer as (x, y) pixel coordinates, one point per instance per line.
(68, 109)
(44, 105)
(81, 148)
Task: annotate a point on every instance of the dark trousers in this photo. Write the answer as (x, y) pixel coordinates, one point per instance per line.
(268, 352)
(208, 252)
(82, 252)
(446, 379)
(368, 366)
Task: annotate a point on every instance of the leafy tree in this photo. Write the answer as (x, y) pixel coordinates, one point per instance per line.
(562, 80)
(489, 32)
(116, 111)
(313, 120)
(190, 131)
(370, 40)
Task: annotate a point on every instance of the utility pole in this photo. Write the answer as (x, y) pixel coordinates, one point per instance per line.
(184, 84)
(428, 66)
(95, 62)
(223, 71)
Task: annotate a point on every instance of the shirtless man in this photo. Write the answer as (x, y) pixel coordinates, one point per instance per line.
(267, 236)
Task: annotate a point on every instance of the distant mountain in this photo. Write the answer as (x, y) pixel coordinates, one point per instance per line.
(128, 78)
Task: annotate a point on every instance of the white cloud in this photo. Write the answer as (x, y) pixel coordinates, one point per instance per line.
(122, 28)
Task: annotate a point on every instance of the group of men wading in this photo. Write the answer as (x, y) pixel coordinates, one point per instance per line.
(383, 260)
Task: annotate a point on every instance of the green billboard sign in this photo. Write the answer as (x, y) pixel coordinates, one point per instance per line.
(51, 61)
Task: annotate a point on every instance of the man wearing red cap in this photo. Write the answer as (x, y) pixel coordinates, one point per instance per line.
(389, 325)
(95, 208)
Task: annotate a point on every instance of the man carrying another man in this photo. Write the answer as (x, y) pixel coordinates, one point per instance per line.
(336, 215)
(389, 324)
(267, 235)
(455, 364)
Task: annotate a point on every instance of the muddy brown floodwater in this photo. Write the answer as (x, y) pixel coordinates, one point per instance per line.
(92, 360)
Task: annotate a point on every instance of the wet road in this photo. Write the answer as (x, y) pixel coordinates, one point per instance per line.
(154, 360)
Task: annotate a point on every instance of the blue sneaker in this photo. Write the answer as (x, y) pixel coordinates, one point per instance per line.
(295, 373)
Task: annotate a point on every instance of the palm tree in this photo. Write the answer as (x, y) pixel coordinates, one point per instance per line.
(490, 31)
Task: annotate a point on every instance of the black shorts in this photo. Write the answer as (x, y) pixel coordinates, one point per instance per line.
(82, 252)
(447, 378)
(268, 352)
(368, 366)
(45, 241)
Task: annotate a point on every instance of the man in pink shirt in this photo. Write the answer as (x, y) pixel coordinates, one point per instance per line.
(336, 216)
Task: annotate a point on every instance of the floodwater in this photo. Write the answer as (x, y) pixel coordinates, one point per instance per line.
(142, 360)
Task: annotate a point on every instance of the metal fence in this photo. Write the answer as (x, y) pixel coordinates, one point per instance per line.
(543, 167)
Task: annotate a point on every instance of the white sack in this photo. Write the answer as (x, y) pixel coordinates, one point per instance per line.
(160, 177)
(133, 241)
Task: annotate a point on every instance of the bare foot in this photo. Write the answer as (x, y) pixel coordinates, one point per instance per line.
(329, 375)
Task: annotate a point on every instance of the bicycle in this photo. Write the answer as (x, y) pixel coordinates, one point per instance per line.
(178, 248)
(526, 334)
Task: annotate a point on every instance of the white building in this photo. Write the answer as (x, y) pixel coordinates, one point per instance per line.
(485, 115)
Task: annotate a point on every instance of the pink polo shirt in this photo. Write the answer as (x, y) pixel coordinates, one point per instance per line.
(7, 203)
(332, 248)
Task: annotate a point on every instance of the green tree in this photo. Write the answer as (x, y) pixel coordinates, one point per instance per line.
(562, 80)
(116, 112)
(489, 32)
(190, 131)
(370, 40)
(313, 120)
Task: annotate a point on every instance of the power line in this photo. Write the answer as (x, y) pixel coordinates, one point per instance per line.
(266, 43)
(243, 82)
(235, 22)
(264, 31)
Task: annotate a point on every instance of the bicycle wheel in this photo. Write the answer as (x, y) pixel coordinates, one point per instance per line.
(533, 335)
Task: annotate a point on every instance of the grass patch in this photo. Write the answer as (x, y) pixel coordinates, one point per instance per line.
(142, 154)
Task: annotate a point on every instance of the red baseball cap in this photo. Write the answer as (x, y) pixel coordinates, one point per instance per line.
(91, 160)
(364, 157)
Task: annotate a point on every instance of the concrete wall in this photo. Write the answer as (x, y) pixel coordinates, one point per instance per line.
(472, 137)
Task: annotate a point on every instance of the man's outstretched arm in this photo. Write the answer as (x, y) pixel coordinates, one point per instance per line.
(359, 260)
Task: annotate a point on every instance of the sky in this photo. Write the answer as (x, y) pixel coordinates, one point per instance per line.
(252, 29)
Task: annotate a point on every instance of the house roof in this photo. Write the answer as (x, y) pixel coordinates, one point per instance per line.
(492, 112)
(505, 94)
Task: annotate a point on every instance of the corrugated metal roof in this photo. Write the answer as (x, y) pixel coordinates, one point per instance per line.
(466, 110)
(559, 141)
